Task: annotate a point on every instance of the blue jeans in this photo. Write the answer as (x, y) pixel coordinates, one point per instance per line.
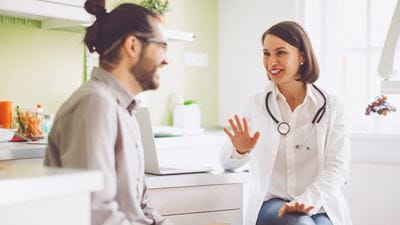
(268, 215)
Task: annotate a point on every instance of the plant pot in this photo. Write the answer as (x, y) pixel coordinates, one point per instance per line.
(381, 124)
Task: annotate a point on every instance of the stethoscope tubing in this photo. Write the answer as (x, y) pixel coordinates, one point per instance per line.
(283, 127)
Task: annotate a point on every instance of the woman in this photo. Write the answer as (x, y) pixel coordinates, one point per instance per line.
(294, 137)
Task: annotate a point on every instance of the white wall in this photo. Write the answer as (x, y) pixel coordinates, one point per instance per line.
(241, 25)
(372, 191)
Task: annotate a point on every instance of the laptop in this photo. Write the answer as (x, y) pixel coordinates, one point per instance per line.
(152, 165)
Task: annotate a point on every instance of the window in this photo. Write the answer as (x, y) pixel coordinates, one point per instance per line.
(348, 36)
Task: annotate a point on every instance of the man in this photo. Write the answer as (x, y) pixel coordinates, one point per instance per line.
(96, 128)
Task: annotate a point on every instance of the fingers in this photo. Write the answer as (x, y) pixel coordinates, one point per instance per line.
(283, 210)
(308, 209)
(295, 207)
(242, 131)
(292, 207)
(234, 128)
(238, 123)
(255, 137)
(245, 126)
(227, 132)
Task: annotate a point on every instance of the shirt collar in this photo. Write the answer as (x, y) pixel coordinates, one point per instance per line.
(123, 97)
(277, 94)
(310, 94)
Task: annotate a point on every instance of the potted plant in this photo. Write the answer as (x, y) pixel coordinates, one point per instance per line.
(379, 109)
(157, 6)
(380, 106)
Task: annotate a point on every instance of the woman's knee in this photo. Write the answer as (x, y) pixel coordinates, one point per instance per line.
(269, 211)
(268, 215)
(297, 219)
(321, 219)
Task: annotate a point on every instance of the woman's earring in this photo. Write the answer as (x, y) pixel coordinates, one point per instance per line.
(301, 63)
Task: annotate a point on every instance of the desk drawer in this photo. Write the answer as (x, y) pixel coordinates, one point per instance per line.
(231, 217)
(207, 198)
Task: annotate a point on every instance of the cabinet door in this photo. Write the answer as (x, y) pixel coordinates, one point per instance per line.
(72, 209)
(231, 217)
(197, 199)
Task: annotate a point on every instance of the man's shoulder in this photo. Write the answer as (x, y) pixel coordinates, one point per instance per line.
(90, 96)
(92, 89)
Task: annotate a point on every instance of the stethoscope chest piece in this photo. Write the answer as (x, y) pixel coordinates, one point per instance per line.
(283, 128)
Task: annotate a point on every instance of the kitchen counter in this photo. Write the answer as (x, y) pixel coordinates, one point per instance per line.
(195, 199)
(21, 150)
(19, 183)
(184, 180)
(364, 146)
(36, 195)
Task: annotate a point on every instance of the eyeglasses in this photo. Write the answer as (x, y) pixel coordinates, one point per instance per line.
(164, 45)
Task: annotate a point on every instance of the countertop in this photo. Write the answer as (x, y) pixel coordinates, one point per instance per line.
(366, 147)
(20, 183)
(184, 180)
(21, 150)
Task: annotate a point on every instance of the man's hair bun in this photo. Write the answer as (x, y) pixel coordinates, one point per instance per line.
(96, 7)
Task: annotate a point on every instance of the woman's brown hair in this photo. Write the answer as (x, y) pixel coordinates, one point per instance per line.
(294, 34)
(106, 35)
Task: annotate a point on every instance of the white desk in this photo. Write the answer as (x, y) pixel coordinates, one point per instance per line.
(35, 195)
(199, 199)
(195, 199)
(16, 151)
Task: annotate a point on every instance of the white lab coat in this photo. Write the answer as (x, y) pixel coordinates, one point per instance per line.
(333, 154)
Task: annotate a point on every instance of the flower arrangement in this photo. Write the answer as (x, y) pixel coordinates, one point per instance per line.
(380, 106)
(157, 6)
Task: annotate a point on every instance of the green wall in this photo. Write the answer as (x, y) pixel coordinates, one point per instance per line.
(38, 66)
(198, 83)
(45, 66)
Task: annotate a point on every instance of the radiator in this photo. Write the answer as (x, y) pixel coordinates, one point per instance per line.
(373, 193)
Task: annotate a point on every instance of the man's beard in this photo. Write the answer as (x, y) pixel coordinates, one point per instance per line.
(145, 72)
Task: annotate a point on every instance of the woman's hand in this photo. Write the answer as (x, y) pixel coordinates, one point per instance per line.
(295, 207)
(240, 137)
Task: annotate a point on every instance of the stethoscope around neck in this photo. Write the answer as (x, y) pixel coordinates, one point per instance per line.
(283, 127)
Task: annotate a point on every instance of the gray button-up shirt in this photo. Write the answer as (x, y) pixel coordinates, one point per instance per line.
(94, 130)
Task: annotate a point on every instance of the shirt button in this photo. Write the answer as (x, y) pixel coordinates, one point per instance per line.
(136, 145)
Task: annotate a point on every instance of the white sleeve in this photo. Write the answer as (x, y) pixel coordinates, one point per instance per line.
(230, 159)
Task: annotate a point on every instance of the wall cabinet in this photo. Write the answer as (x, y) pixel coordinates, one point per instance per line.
(53, 14)
(64, 13)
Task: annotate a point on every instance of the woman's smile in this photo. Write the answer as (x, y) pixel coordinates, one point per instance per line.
(276, 72)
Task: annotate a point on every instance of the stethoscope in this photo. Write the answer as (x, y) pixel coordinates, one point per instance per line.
(284, 128)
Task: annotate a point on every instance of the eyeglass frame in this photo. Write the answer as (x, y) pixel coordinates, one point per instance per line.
(163, 44)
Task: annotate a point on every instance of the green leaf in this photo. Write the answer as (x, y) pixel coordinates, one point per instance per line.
(157, 6)
(189, 102)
